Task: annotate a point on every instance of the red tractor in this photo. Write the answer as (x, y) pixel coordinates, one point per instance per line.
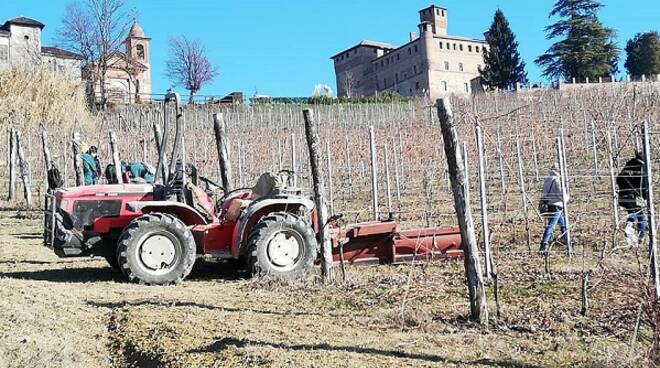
(154, 233)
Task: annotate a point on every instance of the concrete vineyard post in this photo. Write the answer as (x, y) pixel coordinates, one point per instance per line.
(564, 188)
(650, 208)
(374, 174)
(484, 205)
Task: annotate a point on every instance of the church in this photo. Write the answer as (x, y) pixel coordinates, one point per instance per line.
(128, 79)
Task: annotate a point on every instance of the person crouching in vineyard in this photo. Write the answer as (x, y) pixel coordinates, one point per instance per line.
(632, 187)
(551, 206)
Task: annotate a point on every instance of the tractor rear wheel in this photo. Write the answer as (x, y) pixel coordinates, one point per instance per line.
(156, 249)
(281, 244)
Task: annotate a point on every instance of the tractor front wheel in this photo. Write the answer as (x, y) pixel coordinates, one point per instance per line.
(281, 244)
(156, 249)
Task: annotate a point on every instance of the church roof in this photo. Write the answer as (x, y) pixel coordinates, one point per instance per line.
(23, 21)
(136, 31)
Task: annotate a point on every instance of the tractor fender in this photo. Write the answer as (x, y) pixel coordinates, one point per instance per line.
(185, 213)
(260, 208)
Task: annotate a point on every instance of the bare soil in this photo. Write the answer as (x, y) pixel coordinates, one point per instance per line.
(80, 313)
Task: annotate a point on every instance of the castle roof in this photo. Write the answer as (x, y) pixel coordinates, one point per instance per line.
(367, 43)
(23, 21)
(59, 53)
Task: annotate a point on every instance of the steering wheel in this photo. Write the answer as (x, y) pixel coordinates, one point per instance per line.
(218, 204)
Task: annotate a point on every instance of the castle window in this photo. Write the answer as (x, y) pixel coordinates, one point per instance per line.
(416, 85)
(414, 69)
(398, 56)
(409, 51)
(477, 48)
(444, 84)
(454, 46)
(460, 47)
(26, 37)
(467, 88)
(443, 13)
(415, 48)
(446, 65)
(355, 51)
(470, 48)
(4, 53)
(448, 46)
(382, 63)
(440, 45)
(140, 52)
(437, 11)
(396, 77)
(460, 67)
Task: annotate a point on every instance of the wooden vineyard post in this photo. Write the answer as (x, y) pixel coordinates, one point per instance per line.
(595, 150)
(349, 168)
(294, 160)
(374, 174)
(221, 143)
(331, 197)
(388, 188)
(653, 246)
(523, 194)
(77, 159)
(484, 205)
(115, 157)
(25, 171)
(564, 195)
(615, 196)
(12, 164)
(161, 165)
(47, 158)
(475, 283)
(323, 236)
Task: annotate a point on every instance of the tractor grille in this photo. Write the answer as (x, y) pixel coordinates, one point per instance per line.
(85, 212)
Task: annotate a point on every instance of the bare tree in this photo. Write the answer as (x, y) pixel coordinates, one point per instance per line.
(348, 84)
(188, 66)
(96, 29)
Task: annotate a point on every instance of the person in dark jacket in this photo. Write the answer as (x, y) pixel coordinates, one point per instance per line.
(632, 187)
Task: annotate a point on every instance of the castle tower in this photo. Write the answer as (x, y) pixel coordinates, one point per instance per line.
(137, 50)
(436, 17)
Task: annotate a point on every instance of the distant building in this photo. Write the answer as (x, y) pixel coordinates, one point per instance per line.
(20, 44)
(433, 64)
(128, 79)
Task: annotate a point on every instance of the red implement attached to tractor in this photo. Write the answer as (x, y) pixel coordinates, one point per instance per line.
(154, 233)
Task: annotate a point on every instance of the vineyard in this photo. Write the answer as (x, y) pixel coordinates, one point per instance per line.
(587, 309)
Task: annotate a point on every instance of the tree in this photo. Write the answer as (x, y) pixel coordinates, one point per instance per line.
(188, 65)
(96, 29)
(643, 54)
(587, 49)
(504, 67)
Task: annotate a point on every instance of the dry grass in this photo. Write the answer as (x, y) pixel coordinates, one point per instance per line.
(31, 96)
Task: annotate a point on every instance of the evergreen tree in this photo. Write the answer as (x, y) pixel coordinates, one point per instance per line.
(643, 54)
(587, 49)
(504, 67)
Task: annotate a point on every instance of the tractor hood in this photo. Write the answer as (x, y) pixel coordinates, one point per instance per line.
(109, 190)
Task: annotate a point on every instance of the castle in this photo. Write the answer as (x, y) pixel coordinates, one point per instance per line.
(20, 44)
(434, 64)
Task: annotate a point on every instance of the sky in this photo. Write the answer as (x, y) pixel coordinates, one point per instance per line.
(283, 48)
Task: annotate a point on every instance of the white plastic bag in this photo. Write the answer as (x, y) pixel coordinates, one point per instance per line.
(631, 235)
